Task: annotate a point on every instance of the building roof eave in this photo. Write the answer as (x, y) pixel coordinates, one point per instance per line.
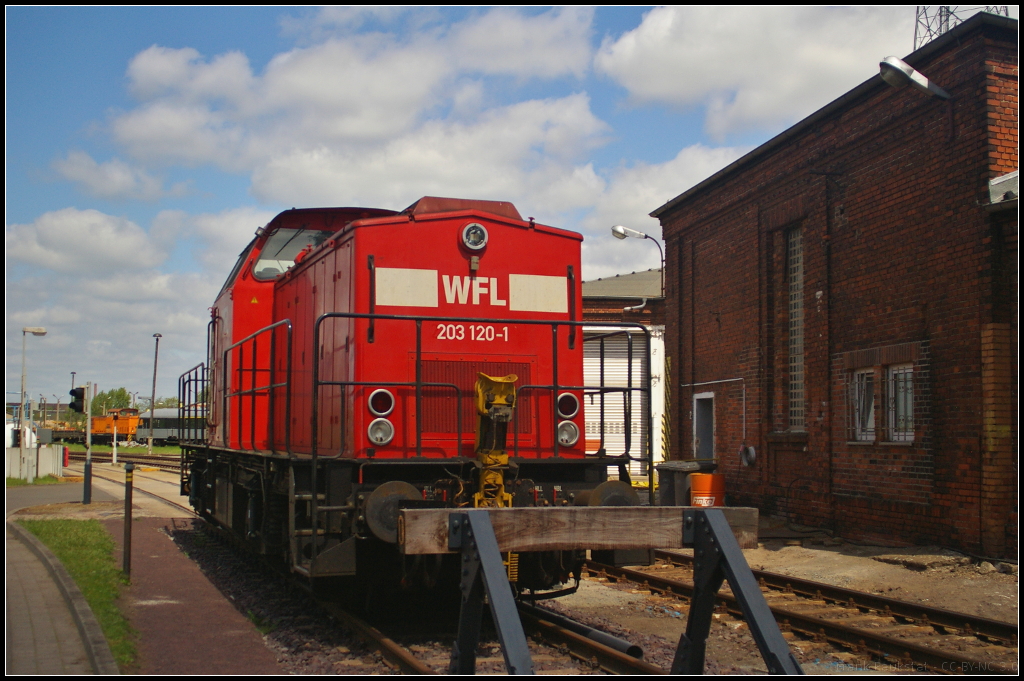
(862, 91)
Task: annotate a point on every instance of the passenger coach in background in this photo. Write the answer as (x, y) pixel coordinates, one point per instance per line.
(170, 425)
(362, 360)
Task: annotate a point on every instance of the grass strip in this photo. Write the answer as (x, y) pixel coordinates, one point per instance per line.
(45, 480)
(87, 552)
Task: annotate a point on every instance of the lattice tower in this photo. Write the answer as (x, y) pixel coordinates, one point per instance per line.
(933, 21)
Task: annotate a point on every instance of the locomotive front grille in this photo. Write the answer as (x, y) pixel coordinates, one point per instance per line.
(439, 415)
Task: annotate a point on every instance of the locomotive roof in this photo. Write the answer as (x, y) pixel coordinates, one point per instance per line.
(330, 214)
(441, 204)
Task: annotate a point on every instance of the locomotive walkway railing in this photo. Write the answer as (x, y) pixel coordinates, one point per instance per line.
(419, 384)
(251, 374)
(192, 404)
(256, 378)
(628, 330)
(250, 382)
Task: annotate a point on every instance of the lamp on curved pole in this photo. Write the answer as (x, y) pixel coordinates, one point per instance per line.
(898, 73)
(620, 232)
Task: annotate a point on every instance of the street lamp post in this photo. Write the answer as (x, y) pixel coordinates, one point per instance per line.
(25, 331)
(152, 403)
(620, 232)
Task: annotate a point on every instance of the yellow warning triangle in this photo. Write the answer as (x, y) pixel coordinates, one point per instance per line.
(254, 300)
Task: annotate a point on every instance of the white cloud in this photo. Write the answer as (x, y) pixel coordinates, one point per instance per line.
(223, 236)
(504, 41)
(96, 288)
(72, 240)
(511, 152)
(172, 132)
(753, 67)
(159, 71)
(632, 193)
(113, 179)
(347, 96)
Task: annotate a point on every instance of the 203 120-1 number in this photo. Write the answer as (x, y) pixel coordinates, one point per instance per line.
(476, 332)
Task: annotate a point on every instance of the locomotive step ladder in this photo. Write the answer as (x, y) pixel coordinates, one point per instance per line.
(300, 525)
(307, 559)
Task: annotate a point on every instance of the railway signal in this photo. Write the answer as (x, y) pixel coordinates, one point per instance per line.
(77, 400)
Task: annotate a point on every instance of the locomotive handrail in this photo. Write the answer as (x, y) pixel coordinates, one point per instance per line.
(189, 402)
(212, 418)
(418, 384)
(628, 329)
(254, 390)
(627, 401)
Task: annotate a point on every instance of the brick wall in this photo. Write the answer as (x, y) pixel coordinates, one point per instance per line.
(903, 266)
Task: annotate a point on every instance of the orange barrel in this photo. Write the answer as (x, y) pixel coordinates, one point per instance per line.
(707, 489)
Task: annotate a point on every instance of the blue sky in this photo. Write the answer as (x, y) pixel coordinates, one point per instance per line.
(146, 145)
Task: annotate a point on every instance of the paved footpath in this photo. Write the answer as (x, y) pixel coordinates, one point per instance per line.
(43, 635)
(184, 625)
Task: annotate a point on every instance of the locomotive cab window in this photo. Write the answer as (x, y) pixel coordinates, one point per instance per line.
(281, 249)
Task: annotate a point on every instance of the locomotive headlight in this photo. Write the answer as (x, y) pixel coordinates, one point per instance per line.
(568, 405)
(380, 432)
(381, 402)
(568, 434)
(474, 236)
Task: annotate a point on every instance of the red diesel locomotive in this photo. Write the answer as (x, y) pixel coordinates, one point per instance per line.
(365, 360)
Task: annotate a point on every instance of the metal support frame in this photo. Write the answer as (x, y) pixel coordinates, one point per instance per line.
(471, 533)
(718, 557)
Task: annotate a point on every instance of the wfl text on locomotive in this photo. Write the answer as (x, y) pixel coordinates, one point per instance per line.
(361, 361)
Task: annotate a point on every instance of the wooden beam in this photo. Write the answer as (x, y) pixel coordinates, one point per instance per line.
(425, 530)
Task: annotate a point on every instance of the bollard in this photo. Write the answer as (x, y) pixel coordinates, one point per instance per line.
(129, 471)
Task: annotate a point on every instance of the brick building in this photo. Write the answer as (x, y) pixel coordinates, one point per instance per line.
(841, 309)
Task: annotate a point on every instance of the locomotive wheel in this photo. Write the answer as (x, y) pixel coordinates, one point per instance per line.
(613, 493)
(382, 508)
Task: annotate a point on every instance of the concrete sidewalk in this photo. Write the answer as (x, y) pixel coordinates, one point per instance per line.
(184, 624)
(50, 629)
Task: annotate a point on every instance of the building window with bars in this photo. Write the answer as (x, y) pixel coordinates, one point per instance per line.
(862, 405)
(899, 386)
(894, 387)
(795, 280)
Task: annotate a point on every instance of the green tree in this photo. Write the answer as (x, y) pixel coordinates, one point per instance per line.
(116, 398)
(161, 403)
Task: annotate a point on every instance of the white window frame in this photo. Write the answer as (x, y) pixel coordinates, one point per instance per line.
(862, 405)
(899, 384)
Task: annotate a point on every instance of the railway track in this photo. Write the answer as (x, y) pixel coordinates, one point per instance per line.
(871, 626)
(170, 463)
(891, 631)
(554, 647)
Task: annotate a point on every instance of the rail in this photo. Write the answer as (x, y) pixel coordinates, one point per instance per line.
(874, 642)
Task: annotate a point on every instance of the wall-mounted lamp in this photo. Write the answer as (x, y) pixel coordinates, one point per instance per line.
(899, 73)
